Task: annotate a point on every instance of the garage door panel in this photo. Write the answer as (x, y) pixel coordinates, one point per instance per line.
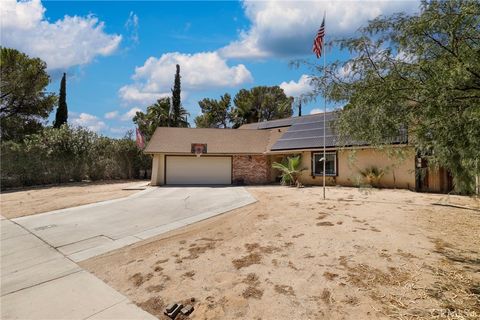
(198, 170)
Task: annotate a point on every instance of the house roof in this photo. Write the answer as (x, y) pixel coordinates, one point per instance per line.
(219, 141)
(306, 132)
(269, 124)
(296, 133)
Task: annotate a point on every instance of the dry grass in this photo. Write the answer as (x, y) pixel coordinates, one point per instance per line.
(326, 296)
(284, 289)
(325, 224)
(155, 288)
(253, 290)
(363, 275)
(198, 250)
(329, 275)
(188, 274)
(154, 305)
(248, 260)
(138, 279)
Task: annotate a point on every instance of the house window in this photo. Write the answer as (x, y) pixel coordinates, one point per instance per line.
(330, 164)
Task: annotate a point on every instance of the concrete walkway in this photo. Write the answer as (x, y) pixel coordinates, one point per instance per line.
(38, 282)
(39, 276)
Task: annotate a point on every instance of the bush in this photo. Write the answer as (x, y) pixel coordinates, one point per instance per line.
(69, 154)
(372, 175)
(289, 170)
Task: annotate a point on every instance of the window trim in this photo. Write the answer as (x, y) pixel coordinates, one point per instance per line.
(321, 154)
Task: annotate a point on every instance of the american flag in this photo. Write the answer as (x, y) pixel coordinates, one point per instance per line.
(139, 139)
(318, 41)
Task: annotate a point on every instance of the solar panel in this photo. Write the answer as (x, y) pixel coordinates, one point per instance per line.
(307, 133)
(276, 123)
(306, 143)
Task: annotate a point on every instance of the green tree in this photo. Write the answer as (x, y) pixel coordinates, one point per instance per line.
(214, 112)
(260, 104)
(178, 114)
(25, 104)
(157, 115)
(61, 115)
(419, 72)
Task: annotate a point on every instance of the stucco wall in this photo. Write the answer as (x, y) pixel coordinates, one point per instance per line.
(253, 169)
(256, 169)
(399, 171)
(158, 165)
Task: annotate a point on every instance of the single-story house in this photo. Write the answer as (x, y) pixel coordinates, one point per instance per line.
(203, 156)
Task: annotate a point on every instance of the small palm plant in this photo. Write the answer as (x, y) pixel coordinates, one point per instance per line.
(289, 170)
(372, 175)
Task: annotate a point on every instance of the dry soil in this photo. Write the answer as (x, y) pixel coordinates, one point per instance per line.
(360, 254)
(24, 202)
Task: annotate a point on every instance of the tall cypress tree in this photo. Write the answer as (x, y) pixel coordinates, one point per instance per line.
(176, 102)
(61, 115)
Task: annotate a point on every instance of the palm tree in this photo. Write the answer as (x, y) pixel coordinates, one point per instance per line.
(159, 112)
(157, 115)
(183, 121)
(289, 170)
(372, 175)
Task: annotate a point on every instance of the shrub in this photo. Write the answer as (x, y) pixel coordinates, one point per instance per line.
(69, 154)
(289, 170)
(372, 175)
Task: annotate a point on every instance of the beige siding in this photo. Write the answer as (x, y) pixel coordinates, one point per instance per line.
(158, 164)
(399, 173)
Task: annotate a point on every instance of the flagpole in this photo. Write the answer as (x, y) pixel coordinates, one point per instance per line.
(324, 110)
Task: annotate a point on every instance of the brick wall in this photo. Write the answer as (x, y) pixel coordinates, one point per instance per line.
(251, 169)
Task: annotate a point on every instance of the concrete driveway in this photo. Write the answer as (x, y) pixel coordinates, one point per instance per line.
(39, 276)
(83, 232)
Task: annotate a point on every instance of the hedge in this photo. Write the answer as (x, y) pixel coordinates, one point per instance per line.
(69, 154)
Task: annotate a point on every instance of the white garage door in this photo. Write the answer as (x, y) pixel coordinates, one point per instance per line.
(198, 170)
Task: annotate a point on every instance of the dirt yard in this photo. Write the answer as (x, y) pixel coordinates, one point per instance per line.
(24, 202)
(361, 254)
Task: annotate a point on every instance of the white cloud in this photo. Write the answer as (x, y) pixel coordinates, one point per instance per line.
(297, 88)
(134, 93)
(285, 28)
(130, 114)
(111, 115)
(120, 132)
(345, 71)
(199, 71)
(132, 26)
(87, 120)
(315, 111)
(405, 57)
(67, 42)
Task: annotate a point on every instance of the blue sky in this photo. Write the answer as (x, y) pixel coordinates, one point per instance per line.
(120, 56)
